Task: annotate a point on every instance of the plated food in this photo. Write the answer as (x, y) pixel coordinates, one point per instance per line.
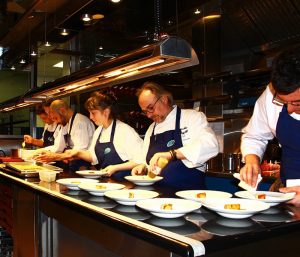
(272, 198)
(200, 195)
(130, 196)
(143, 180)
(99, 189)
(168, 207)
(91, 173)
(235, 208)
(73, 183)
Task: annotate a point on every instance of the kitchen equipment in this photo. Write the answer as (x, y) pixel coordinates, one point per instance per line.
(215, 163)
(47, 175)
(232, 162)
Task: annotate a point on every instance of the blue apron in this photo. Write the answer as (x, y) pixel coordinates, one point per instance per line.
(176, 174)
(287, 132)
(48, 137)
(74, 165)
(107, 154)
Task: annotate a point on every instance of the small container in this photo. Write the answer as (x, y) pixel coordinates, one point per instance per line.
(47, 175)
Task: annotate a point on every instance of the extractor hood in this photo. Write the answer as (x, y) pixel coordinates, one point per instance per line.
(171, 53)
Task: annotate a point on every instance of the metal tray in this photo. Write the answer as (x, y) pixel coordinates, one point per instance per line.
(30, 167)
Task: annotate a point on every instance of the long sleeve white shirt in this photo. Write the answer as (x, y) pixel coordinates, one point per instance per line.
(126, 141)
(198, 139)
(262, 125)
(54, 127)
(81, 135)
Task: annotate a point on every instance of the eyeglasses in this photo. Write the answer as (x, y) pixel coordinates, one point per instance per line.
(280, 102)
(150, 108)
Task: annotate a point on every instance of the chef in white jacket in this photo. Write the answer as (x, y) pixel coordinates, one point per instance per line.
(182, 136)
(76, 133)
(276, 113)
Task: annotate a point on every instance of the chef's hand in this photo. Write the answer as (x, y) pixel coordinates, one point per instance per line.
(296, 200)
(139, 170)
(48, 157)
(110, 169)
(70, 154)
(155, 162)
(28, 139)
(249, 173)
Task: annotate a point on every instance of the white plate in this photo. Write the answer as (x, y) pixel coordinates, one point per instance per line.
(73, 183)
(272, 198)
(248, 207)
(179, 207)
(91, 173)
(98, 189)
(130, 196)
(143, 180)
(192, 194)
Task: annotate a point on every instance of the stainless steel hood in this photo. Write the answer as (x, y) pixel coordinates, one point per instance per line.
(171, 53)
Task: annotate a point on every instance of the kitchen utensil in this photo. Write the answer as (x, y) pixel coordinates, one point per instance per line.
(162, 162)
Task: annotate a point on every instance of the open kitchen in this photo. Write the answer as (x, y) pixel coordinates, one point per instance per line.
(156, 127)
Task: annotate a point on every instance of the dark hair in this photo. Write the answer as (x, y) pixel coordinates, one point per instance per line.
(285, 75)
(39, 109)
(156, 89)
(100, 101)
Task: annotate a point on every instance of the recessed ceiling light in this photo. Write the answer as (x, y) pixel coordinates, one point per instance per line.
(115, 1)
(64, 32)
(100, 47)
(86, 17)
(197, 11)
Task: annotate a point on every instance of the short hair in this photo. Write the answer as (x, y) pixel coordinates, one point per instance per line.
(156, 89)
(100, 101)
(56, 105)
(285, 75)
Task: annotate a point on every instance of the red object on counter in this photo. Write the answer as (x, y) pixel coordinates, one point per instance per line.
(270, 169)
(10, 159)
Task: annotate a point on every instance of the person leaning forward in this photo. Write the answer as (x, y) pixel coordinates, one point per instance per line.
(76, 133)
(276, 113)
(182, 136)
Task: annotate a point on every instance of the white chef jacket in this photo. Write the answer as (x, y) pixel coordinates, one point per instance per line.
(52, 127)
(127, 141)
(262, 125)
(198, 139)
(81, 135)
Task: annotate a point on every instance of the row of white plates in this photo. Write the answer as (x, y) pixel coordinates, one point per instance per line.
(214, 200)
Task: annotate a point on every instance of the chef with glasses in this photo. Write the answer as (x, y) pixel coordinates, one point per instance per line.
(276, 114)
(180, 136)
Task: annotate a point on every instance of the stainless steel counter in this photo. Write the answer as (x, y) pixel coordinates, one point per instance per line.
(94, 222)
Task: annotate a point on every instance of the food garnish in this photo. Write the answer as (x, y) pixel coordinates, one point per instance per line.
(166, 206)
(261, 196)
(131, 195)
(233, 206)
(201, 195)
(100, 187)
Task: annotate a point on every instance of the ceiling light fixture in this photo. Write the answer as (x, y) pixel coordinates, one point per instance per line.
(171, 53)
(64, 32)
(100, 47)
(115, 1)
(13, 67)
(33, 53)
(197, 11)
(86, 17)
(22, 61)
(47, 44)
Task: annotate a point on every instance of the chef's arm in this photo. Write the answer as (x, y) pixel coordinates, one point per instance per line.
(78, 154)
(33, 141)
